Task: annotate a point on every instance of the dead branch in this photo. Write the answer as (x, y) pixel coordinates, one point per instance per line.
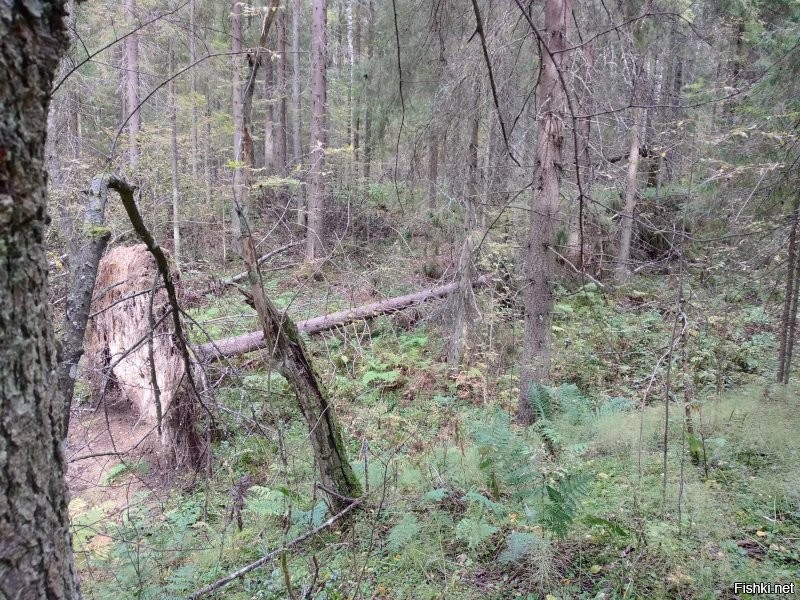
(249, 342)
(275, 553)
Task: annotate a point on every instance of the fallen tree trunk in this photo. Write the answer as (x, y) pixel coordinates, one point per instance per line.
(249, 342)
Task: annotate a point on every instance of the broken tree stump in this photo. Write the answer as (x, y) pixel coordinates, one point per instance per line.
(130, 345)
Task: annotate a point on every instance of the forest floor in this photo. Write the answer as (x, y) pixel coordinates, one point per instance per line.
(463, 503)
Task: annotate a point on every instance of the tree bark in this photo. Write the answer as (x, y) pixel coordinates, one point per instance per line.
(318, 134)
(238, 124)
(193, 85)
(281, 146)
(622, 261)
(270, 127)
(35, 553)
(297, 148)
(539, 261)
(292, 362)
(173, 121)
(790, 336)
(783, 333)
(95, 238)
(576, 242)
(464, 298)
(132, 84)
(367, 142)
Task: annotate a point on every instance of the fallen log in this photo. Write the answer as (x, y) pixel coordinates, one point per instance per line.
(249, 342)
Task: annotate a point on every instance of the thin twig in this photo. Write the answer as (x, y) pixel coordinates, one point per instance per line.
(275, 553)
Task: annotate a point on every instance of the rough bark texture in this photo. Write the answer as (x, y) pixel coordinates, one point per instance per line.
(788, 295)
(463, 305)
(317, 138)
(291, 360)
(84, 266)
(540, 261)
(792, 323)
(35, 546)
(622, 261)
(249, 342)
(297, 109)
(281, 145)
(238, 123)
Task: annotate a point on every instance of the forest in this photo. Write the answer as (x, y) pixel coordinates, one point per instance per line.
(399, 299)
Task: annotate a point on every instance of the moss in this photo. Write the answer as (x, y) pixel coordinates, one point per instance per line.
(96, 231)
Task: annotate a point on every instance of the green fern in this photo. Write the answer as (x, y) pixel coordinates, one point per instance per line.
(519, 546)
(544, 406)
(404, 532)
(541, 401)
(474, 532)
(560, 501)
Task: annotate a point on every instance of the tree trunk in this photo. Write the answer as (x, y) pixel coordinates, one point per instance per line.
(317, 138)
(36, 550)
(84, 264)
(576, 244)
(193, 86)
(622, 261)
(292, 362)
(173, 120)
(464, 299)
(783, 332)
(297, 110)
(433, 165)
(132, 84)
(368, 85)
(539, 261)
(270, 127)
(281, 156)
(790, 336)
(238, 124)
(250, 342)
(207, 153)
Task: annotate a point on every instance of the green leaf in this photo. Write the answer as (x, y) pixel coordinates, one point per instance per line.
(610, 526)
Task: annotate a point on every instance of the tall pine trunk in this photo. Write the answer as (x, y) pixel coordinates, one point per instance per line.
(622, 261)
(173, 122)
(464, 298)
(297, 109)
(35, 547)
(539, 260)
(193, 85)
(238, 122)
(132, 84)
(317, 138)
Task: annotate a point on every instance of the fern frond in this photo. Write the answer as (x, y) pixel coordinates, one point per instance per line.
(541, 401)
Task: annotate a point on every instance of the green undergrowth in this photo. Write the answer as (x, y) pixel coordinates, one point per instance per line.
(465, 504)
(462, 502)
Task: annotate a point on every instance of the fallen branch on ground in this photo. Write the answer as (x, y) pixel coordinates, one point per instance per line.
(249, 342)
(274, 554)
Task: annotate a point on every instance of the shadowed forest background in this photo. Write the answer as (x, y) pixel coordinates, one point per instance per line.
(498, 299)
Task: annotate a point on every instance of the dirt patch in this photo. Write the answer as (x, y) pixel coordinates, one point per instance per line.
(111, 455)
